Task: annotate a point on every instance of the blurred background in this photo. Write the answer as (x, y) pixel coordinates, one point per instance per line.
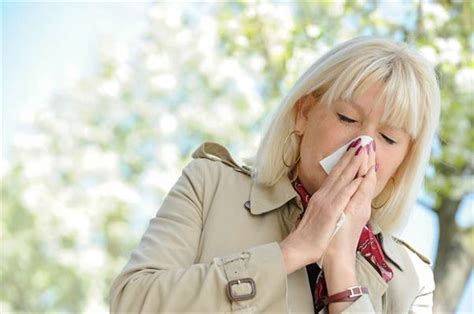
(103, 103)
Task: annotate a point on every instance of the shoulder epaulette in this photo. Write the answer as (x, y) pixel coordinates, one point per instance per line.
(217, 152)
(411, 248)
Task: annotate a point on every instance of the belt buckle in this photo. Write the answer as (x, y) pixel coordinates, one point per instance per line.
(244, 296)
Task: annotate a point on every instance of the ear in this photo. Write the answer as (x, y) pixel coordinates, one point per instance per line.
(303, 108)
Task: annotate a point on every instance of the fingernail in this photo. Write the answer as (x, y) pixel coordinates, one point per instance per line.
(350, 146)
(373, 146)
(367, 148)
(358, 150)
(357, 142)
(353, 144)
(376, 167)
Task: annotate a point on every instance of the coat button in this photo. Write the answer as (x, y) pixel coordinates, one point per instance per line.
(247, 205)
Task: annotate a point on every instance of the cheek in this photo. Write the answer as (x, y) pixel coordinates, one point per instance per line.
(388, 159)
(309, 152)
(389, 163)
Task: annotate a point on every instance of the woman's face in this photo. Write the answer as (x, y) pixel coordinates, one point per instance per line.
(324, 130)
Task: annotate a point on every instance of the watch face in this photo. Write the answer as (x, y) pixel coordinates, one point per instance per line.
(330, 161)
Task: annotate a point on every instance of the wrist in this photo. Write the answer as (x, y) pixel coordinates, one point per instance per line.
(290, 257)
(339, 276)
(294, 257)
(340, 260)
(340, 269)
(341, 251)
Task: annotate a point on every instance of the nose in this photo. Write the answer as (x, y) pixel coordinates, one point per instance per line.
(372, 136)
(369, 130)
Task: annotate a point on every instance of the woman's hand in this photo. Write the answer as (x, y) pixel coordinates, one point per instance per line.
(339, 258)
(307, 242)
(357, 211)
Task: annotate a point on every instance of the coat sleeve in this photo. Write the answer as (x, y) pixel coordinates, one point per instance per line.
(162, 276)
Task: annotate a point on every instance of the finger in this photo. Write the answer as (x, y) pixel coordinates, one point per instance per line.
(370, 160)
(360, 202)
(345, 195)
(341, 200)
(335, 173)
(372, 154)
(349, 173)
(364, 165)
(366, 187)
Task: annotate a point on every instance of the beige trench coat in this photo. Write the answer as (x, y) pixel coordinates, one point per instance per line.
(216, 226)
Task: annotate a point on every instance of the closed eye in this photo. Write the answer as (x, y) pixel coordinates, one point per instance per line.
(345, 119)
(349, 120)
(388, 139)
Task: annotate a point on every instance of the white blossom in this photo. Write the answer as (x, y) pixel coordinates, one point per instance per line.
(164, 81)
(156, 62)
(257, 63)
(161, 180)
(435, 15)
(429, 53)
(92, 258)
(95, 161)
(116, 190)
(110, 88)
(450, 50)
(313, 30)
(337, 7)
(465, 80)
(168, 123)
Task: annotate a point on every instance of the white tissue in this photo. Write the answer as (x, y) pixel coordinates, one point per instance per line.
(330, 161)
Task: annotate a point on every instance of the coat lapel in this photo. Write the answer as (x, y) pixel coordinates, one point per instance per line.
(389, 246)
(367, 276)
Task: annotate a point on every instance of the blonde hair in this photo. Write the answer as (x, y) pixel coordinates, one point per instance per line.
(411, 98)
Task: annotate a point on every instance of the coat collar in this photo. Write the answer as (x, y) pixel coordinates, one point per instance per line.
(265, 198)
(262, 198)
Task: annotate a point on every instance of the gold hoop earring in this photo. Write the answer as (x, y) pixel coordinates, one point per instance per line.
(296, 173)
(391, 192)
(284, 150)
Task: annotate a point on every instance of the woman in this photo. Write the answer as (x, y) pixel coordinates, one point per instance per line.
(232, 238)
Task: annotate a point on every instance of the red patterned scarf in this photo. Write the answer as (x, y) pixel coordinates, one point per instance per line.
(368, 246)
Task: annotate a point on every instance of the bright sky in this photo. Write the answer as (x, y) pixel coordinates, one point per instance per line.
(45, 45)
(48, 44)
